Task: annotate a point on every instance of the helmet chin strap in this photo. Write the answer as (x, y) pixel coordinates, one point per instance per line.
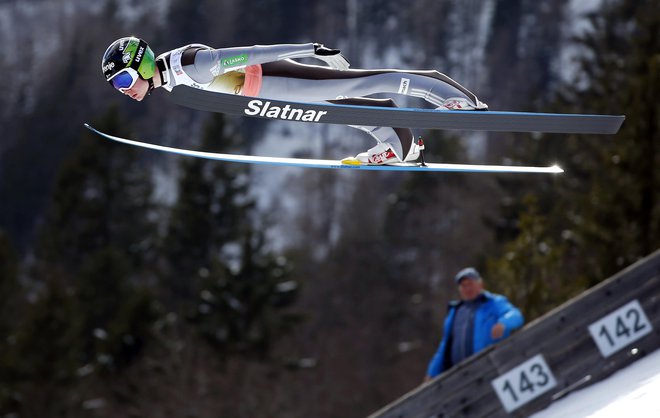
(151, 86)
(161, 69)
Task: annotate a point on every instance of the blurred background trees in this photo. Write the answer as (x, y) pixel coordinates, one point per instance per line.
(135, 283)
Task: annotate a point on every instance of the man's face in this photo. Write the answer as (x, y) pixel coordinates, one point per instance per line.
(470, 288)
(138, 91)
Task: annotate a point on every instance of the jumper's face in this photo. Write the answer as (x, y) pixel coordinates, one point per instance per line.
(138, 91)
(129, 82)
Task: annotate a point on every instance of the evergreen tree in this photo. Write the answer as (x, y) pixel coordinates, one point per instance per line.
(219, 272)
(44, 354)
(239, 310)
(89, 309)
(604, 212)
(101, 198)
(613, 201)
(113, 316)
(531, 270)
(97, 236)
(210, 212)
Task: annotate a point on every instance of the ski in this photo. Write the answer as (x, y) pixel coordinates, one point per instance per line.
(396, 117)
(336, 164)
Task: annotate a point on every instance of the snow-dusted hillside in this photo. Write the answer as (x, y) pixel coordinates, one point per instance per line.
(463, 38)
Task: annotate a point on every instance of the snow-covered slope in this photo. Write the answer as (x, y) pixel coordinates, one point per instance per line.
(632, 392)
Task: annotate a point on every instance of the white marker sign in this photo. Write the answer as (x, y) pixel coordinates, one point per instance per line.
(524, 383)
(620, 328)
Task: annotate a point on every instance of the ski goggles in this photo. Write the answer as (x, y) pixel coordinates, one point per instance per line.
(124, 79)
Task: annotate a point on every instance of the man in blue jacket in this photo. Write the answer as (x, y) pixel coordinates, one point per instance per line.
(478, 320)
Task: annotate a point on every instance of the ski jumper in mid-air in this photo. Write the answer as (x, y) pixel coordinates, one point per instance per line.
(268, 71)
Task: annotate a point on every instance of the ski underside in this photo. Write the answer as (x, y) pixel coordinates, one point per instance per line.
(344, 114)
(337, 164)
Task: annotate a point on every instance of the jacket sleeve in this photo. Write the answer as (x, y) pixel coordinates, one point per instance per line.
(436, 365)
(508, 315)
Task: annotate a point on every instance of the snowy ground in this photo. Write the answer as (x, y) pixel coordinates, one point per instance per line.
(632, 392)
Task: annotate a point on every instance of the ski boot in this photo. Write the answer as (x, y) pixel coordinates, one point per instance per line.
(461, 103)
(381, 154)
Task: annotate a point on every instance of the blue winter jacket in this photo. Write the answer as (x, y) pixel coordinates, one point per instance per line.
(495, 308)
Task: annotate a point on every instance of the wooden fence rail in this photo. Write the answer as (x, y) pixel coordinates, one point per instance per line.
(577, 344)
